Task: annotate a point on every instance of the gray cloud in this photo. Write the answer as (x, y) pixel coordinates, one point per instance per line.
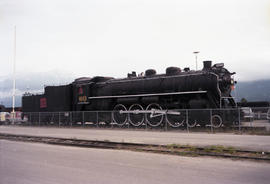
(111, 38)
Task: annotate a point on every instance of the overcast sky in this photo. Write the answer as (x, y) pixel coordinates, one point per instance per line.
(114, 37)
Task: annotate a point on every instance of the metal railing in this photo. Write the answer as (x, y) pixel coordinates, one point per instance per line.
(155, 118)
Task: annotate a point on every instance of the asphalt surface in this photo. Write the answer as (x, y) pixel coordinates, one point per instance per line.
(31, 163)
(250, 142)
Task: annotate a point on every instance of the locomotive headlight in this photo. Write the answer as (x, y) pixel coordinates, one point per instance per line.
(232, 82)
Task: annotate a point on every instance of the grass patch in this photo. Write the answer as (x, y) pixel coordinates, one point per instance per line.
(208, 149)
(174, 146)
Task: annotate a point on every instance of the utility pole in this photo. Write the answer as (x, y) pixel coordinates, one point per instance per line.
(196, 53)
(14, 77)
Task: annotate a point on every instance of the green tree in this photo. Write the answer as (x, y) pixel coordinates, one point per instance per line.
(243, 100)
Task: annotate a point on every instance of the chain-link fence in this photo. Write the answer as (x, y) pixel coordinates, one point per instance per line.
(156, 118)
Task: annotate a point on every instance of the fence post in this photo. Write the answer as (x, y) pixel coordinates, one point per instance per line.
(250, 119)
(97, 119)
(128, 120)
(59, 119)
(211, 121)
(83, 118)
(30, 119)
(239, 121)
(166, 123)
(38, 118)
(111, 120)
(145, 119)
(70, 119)
(187, 120)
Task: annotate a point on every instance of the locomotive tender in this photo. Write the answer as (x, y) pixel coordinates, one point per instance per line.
(147, 97)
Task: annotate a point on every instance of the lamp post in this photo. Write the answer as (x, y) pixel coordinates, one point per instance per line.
(14, 79)
(196, 54)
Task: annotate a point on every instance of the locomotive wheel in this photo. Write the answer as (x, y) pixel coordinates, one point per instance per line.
(236, 123)
(216, 121)
(175, 120)
(152, 119)
(118, 117)
(192, 123)
(136, 119)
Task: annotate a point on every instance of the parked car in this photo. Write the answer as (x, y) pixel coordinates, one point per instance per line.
(248, 114)
(7, 118)
(4, 117)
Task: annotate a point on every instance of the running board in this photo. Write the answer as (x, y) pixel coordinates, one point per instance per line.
(149, 94)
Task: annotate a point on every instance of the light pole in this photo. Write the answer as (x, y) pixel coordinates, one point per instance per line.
(196, 54)
(14, 78)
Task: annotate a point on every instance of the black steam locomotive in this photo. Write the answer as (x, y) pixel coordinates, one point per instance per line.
(148, 97)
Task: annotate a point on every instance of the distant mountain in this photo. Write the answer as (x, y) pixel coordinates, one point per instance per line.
(253, 90)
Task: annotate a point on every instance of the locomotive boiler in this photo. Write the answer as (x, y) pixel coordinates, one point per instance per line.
(146, 97)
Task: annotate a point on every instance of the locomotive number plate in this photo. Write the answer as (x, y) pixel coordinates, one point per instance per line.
(82, 98)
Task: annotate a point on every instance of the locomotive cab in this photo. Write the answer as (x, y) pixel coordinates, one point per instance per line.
(81, 93)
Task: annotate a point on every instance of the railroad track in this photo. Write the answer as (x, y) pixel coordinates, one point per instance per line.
(173, 149)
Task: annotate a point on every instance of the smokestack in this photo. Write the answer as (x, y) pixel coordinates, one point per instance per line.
(207, 65)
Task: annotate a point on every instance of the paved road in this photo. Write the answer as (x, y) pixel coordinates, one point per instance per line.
(252, 142)
(32, 163)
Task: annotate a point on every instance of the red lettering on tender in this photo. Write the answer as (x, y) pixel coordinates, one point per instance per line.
(43, 102)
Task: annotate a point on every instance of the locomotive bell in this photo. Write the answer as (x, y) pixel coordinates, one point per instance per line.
(207, 65)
